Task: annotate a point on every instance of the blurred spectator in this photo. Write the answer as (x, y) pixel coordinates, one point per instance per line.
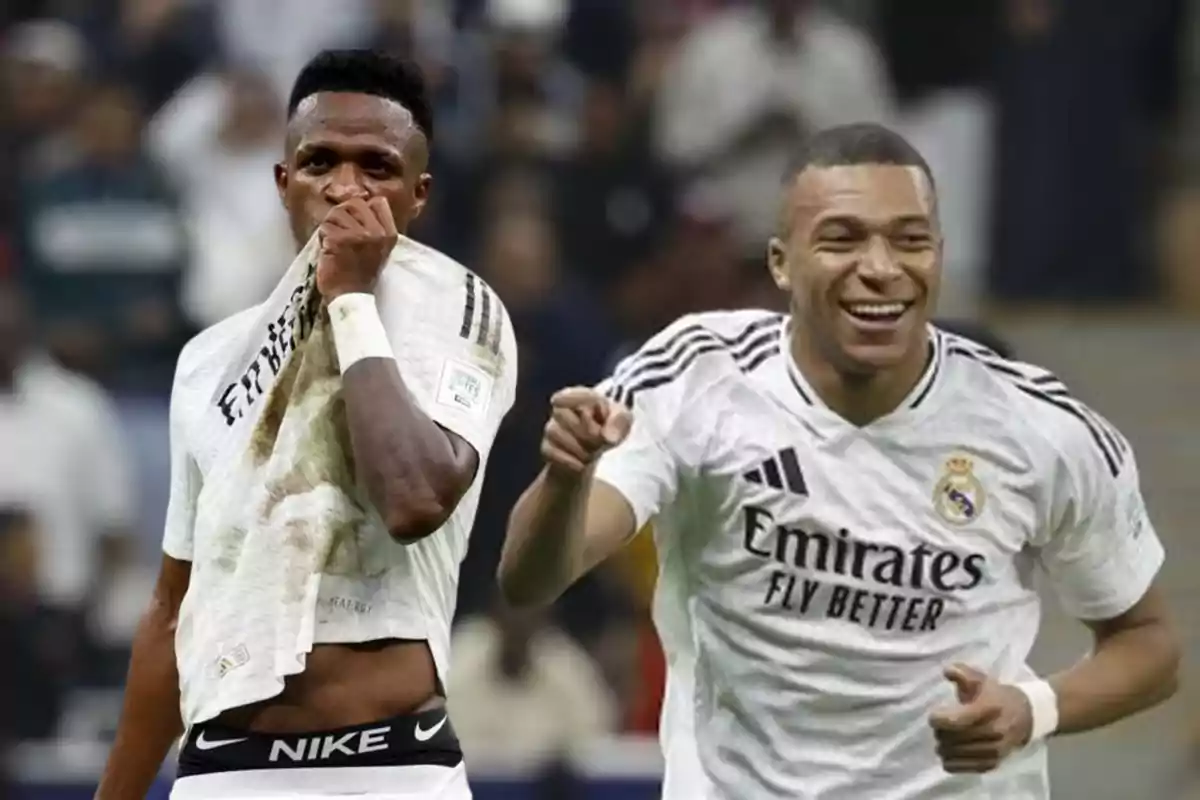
(510, 72)
(104, 249)
(563, 340)
(39, 88)
(612, 199)
(1072, 209)
(64, 459)
(522, 693)
(419, 30)
(747, 84)
(154, 46)
(659, 27)
(297, 30)
(219, 139)
(600, 37)
(40, 644)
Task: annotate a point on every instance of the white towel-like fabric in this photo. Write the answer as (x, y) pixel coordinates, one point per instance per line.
(279, 496)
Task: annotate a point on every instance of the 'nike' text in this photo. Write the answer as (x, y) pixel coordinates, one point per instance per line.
(320, 748)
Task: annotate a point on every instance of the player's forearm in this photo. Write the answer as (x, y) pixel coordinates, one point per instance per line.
(150, 720)
(413, 471)
(1129, 671)
(543, 549)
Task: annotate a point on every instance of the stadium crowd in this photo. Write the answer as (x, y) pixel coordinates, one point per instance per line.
(606, 165)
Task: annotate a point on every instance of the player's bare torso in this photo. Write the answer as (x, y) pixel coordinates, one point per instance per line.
(346, 684)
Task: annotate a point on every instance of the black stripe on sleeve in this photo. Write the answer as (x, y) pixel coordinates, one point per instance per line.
(485, 316)
(497, 330)
(656, 366)
(1051, 391)
(468, 308)
(756, 355)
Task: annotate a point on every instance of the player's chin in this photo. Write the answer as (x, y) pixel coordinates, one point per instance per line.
(879, 341)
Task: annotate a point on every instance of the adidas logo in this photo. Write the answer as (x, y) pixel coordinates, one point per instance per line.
(780, 472)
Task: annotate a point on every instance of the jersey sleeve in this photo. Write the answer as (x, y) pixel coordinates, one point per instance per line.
(1102, 552)
(644, 468)
(458, 357)
(180, 521)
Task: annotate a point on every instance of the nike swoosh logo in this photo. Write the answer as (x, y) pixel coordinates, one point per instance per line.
(208, 744)
(422, 735)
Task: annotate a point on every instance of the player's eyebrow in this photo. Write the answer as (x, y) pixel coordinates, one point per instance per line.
(911, 219)
(855, 222)
(376, 152)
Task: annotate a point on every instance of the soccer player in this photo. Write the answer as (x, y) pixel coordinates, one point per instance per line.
(849, 505)
(366, 715)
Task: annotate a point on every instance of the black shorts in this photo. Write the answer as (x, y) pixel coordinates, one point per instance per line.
(424, 738)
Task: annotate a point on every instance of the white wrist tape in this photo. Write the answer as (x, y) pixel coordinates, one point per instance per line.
(357, 329)
(1043, 703)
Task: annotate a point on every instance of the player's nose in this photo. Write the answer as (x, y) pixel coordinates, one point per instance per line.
(345, 183)
(879, 263)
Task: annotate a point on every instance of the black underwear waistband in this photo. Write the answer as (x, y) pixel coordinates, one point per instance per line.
(422, 738)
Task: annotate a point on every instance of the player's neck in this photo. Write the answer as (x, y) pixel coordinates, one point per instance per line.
(859, 399)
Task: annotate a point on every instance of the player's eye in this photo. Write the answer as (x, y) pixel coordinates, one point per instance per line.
(913, 241)
(838, 241)
(379, 167)
(316, 162)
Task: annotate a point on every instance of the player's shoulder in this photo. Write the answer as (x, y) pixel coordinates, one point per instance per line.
(448, 295)
(197, 353)
(1032, 405)
(698, 350)
(437, 275)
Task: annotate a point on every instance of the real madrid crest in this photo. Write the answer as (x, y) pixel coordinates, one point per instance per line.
(959, 497)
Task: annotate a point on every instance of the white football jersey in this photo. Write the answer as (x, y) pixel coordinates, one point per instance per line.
(457, 356)
(816, 577)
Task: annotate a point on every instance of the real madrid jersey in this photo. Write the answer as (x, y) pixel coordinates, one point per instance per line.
(816, 576)
(456, 352)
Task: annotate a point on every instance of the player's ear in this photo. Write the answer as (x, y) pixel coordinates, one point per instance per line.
(421, 193)
(281, 179)
(777, 263)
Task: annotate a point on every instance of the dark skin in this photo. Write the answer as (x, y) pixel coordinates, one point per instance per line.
(356, 170)
(356, 173)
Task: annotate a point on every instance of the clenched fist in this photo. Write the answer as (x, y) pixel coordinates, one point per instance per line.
(583, 424)
(357, 237)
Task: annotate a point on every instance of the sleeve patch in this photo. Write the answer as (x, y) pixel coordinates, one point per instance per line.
(464, 388)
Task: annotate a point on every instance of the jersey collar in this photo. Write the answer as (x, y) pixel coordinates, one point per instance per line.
(916, 399)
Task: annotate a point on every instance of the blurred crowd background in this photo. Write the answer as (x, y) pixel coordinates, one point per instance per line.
(606, 165)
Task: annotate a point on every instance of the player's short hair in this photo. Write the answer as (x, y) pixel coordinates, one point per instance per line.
(366, 72)
(854, 144)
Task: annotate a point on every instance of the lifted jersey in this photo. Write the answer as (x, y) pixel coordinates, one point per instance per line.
(816, 577)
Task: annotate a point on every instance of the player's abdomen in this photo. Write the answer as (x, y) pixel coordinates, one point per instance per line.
(347, 684)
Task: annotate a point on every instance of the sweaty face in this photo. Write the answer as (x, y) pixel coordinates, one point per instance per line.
(343, 145)
(861, 258)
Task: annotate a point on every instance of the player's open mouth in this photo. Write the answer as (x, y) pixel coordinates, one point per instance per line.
(876, 313)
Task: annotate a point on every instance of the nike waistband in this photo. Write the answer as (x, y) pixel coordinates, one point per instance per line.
(422, 738)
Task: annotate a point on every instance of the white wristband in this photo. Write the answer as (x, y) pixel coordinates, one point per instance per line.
(357, 329)
(1043, 704)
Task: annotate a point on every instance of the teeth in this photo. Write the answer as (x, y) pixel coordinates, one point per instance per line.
(876, 309)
